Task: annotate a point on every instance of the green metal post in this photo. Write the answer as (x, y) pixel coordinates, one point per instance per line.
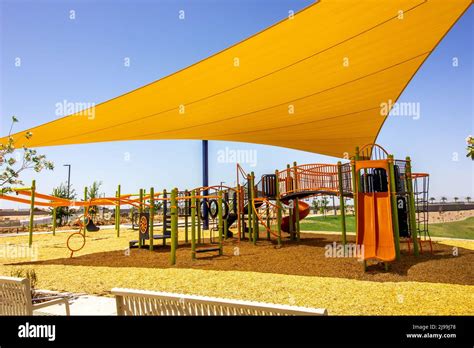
(393, 200)
(85, 211)
(220, 220)
(152, 216)
(267, 211)
(297, 203)
(240, 229)
(32, 212)
(355, 182)
(198, 214)
(291, 205)
(118, 211)
(140, 210)
(186, 209)
(242, 216)
(297, 218)
(290, 210)
(164, 211)
(411, 206)
(355, 192)
(164, 207)
(174, 226)
(226, 227)
(249, 206)
(279, 207)
(54, 221)
(140, 207)
(255, 229)
(342, 203)
(193, 224)
(176, 237)
(226, 200)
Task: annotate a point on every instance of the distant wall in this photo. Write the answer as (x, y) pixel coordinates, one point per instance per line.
(450, 206)
(11, 212)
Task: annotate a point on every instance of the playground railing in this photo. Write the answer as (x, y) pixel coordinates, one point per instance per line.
(308, 177)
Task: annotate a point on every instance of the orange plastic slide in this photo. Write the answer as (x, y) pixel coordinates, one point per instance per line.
(303, 212)
(374, 226)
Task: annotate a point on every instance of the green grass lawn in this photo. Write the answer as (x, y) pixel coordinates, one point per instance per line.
(457, 229)
(327, 223)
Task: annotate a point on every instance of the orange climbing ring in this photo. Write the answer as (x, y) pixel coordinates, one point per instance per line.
(76, 249)
(81, 233)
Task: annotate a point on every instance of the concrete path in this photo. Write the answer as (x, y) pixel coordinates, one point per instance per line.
(83, 305)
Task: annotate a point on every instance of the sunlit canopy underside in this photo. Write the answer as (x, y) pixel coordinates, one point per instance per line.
(314, 82)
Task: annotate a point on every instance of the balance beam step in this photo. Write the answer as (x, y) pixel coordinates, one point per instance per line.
(162, 236)
(207, 250)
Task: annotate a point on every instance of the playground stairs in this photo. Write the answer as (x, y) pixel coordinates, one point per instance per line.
(167, 222)
(207, 250)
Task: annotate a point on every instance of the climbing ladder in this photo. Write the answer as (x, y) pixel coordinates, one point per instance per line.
(421, 183)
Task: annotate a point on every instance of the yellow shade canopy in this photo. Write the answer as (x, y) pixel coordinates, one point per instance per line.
(314, 81)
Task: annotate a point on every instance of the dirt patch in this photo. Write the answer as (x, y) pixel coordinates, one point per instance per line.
(449, 216)
(304, 258)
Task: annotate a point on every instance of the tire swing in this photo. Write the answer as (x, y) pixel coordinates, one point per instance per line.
(214, 209)
(214, 212)
(204, 204)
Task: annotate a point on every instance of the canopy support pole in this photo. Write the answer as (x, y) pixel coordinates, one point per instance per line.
(205, 183)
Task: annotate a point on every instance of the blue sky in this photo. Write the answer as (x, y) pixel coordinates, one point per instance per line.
(82, 60)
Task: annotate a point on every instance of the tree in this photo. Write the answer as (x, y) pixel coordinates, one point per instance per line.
(158, 205)
(432, 200)
(468, 199)
(470, 147)
(12, 165)
(315, 205)
(456, 199)
(443, 199)
(324, 205)
(63, 212)
(93, 192)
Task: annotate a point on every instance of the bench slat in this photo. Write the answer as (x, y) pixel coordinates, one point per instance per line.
(163, 303)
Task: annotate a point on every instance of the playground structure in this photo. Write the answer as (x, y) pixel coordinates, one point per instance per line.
(341, 110)
(284, 191)
(189, 205)
(390, 203)
(184, 204)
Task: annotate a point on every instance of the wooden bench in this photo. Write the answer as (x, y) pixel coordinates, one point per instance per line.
(139, 302)
(15, 298)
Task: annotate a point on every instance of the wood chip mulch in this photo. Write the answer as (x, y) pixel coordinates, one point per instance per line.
(306, 258)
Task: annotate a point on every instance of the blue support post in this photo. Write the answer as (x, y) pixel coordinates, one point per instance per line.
(205, 182)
